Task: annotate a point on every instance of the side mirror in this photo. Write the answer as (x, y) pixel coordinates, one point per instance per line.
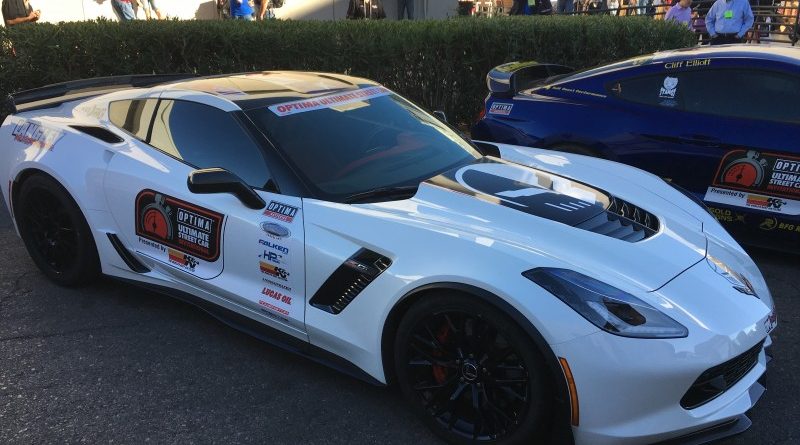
(219, 180)
(440, 115)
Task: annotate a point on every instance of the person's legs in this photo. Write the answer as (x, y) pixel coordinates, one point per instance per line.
(410, 8)
(154, 8)
(123, 9)
(401, 8)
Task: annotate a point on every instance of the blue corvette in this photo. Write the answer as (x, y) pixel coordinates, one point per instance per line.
(722, 123)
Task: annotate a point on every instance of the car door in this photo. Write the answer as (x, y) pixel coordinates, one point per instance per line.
(642, 131)
(250, 258)
(745, 128)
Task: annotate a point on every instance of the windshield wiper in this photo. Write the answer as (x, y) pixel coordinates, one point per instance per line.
(382, 192)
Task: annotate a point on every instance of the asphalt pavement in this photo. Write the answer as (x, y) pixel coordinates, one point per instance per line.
(111, 363)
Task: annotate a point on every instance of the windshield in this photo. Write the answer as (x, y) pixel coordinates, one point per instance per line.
(345, 147)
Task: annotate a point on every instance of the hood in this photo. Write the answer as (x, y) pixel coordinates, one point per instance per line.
(579, 224)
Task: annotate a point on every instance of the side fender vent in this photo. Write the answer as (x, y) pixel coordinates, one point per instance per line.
(348, 280)
(126, 256)
(99, 133)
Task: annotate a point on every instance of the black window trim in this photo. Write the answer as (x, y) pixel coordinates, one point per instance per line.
(150, 126)
(237, 116)
(608, 85)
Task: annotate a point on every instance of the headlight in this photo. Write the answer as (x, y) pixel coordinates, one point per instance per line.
(737, 280)
(607, 307)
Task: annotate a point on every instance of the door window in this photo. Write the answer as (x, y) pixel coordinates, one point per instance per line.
(741, 93)
(750, 94)
(204, 137)
(658, 90)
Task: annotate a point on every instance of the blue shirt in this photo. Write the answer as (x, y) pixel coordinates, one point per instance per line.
(729, 17)
(240, 9)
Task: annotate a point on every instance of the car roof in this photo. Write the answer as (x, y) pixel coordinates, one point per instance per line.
(753, 52)
(249, 90)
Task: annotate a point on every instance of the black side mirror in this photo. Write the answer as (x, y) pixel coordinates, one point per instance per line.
(440, 115)
(219, 180)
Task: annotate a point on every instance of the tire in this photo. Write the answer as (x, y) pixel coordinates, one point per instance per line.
(449, 351)
(55, 232)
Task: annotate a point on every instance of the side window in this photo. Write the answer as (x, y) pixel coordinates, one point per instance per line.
(133, 116)
(204, 137)
(662, 90)
(751, 94)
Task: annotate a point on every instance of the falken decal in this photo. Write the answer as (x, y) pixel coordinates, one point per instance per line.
(763, 173)
(501, 108)
(32, 133)
(280, 211)
(328, 101)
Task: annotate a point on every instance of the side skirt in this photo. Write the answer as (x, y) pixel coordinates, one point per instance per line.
(262, 332)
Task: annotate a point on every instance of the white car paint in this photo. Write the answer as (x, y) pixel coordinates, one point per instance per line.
(628, 388)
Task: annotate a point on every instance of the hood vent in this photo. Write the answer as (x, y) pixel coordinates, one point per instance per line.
(348, 280)
(622, 220)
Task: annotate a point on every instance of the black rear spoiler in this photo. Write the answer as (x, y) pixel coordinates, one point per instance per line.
(54, 95)
(510, 78)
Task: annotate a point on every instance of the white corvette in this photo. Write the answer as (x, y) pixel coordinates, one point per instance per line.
(515, 295)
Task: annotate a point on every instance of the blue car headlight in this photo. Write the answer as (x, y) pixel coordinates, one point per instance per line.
(607, 307)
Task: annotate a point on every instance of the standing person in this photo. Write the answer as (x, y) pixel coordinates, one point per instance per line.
(565, 6)
(124, 10)
(241, 10)
(407, 6)
(728, 21)
(681, 12)
(150, 8)
(16, 12)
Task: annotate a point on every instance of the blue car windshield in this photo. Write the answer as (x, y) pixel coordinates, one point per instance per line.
(345, 147)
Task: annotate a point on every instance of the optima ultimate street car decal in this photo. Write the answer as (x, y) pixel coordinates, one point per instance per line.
(763, 173)
(755, 180)
(178, 233)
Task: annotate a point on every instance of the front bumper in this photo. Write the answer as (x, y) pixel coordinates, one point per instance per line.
(633, 397)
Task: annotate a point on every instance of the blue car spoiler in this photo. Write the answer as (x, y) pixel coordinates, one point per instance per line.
(510, 78)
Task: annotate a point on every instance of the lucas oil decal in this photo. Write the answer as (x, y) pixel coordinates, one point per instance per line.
(764, 173)
(328, 101)
(179, 233)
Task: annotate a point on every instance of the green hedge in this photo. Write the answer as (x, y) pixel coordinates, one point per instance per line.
(439, 64)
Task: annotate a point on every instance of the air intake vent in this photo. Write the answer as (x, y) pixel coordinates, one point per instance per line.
(348, 280)
(99, 133)
(622, 220)
(720, 378)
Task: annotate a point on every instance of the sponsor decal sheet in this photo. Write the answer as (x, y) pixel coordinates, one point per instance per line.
(757, 180)
(179, 233)
(280, 286)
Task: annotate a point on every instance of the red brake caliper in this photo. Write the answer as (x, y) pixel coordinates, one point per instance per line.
(440, 372)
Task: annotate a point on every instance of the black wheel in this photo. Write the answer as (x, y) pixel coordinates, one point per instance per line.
(471, 373)
(55, 232)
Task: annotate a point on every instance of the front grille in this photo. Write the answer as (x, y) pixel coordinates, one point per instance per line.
(622, 220)
(720, 378)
